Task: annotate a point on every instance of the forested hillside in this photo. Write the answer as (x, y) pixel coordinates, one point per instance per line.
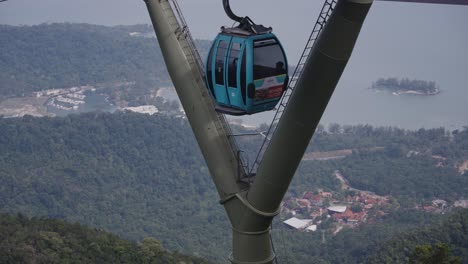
(402, 248)
(415, 165)
(63, 55)
(131, 174)
(39, 240)
(143, 176)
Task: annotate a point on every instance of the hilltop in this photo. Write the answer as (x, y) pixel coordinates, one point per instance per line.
(63, 55)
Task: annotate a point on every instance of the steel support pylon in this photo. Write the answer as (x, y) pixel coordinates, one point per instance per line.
(251, 210)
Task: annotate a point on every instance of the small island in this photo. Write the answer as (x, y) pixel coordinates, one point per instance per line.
(406, 86)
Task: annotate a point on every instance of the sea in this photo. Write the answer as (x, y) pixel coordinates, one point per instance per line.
(354, 103)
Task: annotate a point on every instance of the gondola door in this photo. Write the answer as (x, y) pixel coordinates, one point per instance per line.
(233, 73)
(219, 75)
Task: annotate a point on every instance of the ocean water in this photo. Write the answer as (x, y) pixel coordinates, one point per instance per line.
(353, 103)
(425, 42)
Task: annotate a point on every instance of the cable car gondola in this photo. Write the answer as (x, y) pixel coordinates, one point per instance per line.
(246, 69)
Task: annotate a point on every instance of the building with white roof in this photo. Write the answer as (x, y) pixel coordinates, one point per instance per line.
(337, 209)
(144, 109)
(297, 223)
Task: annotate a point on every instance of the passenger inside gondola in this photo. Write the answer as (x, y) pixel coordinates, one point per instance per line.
(280, 68)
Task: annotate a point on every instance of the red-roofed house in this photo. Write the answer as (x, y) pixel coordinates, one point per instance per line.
(326, 194)
(316, 200)
(308, 195)
(303, 202)
(350, 217)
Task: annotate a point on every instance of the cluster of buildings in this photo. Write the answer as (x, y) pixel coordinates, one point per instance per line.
(308, 212)
(67, 101)
(66, 98)
(78, 90)
(461, 203)
(346, 215)
(437, 206)
(72, 97)
(440, 206)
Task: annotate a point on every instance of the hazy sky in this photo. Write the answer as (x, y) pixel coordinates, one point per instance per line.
(291, 22)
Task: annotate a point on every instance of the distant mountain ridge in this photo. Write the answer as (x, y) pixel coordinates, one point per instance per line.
(63, 55)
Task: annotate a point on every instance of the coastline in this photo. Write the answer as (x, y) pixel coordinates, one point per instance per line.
(414, 92)
(406, 92)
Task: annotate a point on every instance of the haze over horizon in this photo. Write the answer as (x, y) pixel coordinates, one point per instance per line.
(418, 41)
(293, 31)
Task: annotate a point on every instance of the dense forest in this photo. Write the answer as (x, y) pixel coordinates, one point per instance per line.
(409, 165)
(422, 164)
(143, 176)
(118, 172)
(38, 240)
(406, 86)
(64, 55)
(404, 247)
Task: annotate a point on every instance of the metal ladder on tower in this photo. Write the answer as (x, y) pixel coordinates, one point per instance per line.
(181, 30)
(325, 13)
